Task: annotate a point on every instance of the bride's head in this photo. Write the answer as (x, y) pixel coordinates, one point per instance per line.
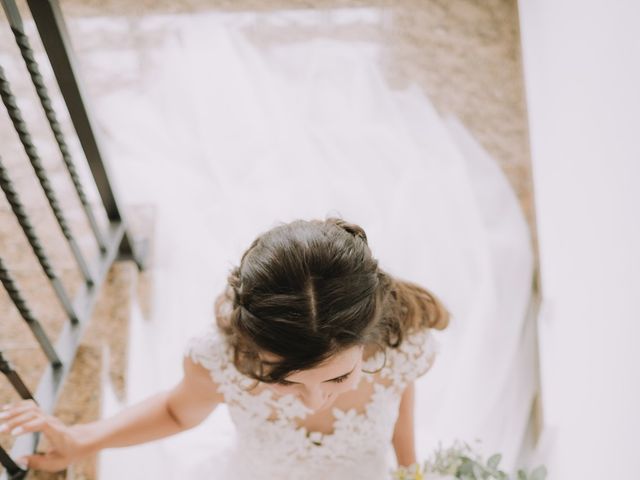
(309, 297)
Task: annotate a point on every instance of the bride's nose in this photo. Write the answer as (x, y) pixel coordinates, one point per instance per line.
(314, 399)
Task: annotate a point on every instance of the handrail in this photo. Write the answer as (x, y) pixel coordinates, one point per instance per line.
(53, 32)
(38, 249)
(116, 242)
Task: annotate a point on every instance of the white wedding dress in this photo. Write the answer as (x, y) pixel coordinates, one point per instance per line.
(270, 442)
(227, 135)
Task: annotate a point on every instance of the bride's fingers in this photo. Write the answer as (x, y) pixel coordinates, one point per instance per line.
(35, 425)
(17, 412)
(22, 404)
(50, 462)
(38, 422)
(51, 427)
(14, 424)
(11, 410)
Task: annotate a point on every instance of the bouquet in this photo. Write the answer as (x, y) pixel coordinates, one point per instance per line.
(460, 462)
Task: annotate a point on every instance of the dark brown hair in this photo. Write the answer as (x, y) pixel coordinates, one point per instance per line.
(307, 290)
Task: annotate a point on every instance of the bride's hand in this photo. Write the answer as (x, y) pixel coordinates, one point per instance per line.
(67, 443)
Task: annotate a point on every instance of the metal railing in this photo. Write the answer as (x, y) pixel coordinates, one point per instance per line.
(115, 242)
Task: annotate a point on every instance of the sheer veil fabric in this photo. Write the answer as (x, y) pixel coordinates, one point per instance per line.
(228, 136)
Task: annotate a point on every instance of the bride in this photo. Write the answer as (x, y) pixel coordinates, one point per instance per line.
(298, 130)
(315, 350)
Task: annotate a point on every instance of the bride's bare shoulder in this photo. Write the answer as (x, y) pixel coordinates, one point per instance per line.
(206, 361)
(198, 379)
(194, 397)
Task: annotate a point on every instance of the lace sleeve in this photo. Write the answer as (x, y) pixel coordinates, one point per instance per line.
(209, 349)
(413, 358)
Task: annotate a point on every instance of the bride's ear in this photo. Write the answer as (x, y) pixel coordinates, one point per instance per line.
(372, 354)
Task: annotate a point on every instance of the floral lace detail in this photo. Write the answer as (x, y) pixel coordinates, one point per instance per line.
(411, 360)
(271, 442)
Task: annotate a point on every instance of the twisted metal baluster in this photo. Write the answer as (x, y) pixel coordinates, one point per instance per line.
(21, 128)
(14, 471)
(32, 65)
(34, 241)
(14, 378)
(35, 326)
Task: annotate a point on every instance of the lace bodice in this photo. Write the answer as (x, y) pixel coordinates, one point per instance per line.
(272, 443)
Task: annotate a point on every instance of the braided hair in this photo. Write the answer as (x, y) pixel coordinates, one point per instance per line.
(307, 290)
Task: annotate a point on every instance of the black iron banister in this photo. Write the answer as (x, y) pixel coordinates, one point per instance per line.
(37, 330)
(67, 343)
(34, 241)
(13, 469)
(32, 66)
(15, 472)
(32, 152)
(114, 242)
(53, 32)
(7, 369)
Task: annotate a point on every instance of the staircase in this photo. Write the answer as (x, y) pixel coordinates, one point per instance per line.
(102, 352)
(71, 266)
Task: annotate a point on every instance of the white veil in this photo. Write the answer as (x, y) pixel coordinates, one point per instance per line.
(228, 137)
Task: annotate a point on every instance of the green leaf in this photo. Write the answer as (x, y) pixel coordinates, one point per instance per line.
(522, 475)
(478, 471)
(539, 473)
(494, 461)
(466, 468)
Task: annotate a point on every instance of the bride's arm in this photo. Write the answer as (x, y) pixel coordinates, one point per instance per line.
(184, 406)
(403, 433)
